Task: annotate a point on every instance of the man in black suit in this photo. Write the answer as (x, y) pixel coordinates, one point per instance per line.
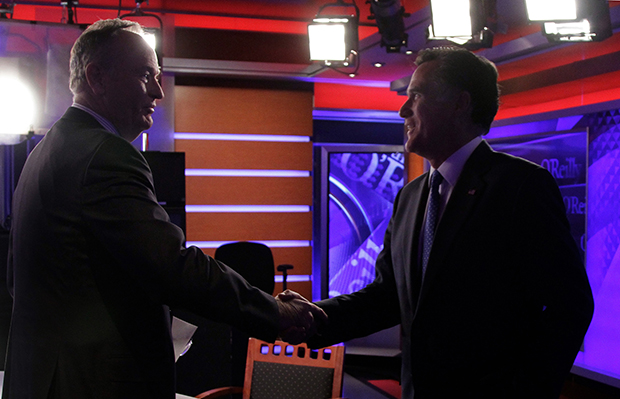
(94, 261)
(495, 302)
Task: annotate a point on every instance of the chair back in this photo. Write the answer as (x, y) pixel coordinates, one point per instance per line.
(252, 260)
(284, 371)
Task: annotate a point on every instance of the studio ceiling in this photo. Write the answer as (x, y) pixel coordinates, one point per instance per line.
(531, 69)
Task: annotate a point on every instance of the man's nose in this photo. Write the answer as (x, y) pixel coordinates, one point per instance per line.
(155, 90)
(405, 110)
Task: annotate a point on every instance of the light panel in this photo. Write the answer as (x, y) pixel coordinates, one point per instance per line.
(333, 39)
(269, 243)
(570, 31)
(17, 105)
(242, 137)
(151, 39)
(246, 173)
(293, 278)
(246, 208)
(327, 41)
(551, 10)
(451, 18)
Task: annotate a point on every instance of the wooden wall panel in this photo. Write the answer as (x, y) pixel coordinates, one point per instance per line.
(249, 226)
(299, 257)
(237, 110)
(216, 154)
(208, 190)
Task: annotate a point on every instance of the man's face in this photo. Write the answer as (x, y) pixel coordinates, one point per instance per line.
(427, 113)
(131, 86)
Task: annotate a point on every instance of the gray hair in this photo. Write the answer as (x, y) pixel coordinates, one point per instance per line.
(93, 45)
(463, 70)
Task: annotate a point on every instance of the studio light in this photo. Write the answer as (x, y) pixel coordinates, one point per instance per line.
(389, 16)
(333, 39)
(150, 36)
(551, 10)
(571, 20)
(69, 11)
(463, 22)
(153, 36)
(6, 10)
(17, 106)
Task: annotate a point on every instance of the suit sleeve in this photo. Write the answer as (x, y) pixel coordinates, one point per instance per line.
(550, 257)
(369, 310)
(124, 218)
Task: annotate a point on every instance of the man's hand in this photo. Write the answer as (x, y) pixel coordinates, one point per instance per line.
(299, 319)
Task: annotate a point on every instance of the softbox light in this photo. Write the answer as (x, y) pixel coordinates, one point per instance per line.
(333, 39)
(572, 20)
(463, 22)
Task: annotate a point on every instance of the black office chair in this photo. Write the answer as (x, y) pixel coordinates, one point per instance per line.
(251, 260)
(217, 357)
(254, 262)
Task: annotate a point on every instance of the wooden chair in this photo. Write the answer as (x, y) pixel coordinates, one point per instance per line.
(284, 371)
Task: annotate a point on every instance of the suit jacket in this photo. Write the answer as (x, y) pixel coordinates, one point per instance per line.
(93, 264)
(505, 302)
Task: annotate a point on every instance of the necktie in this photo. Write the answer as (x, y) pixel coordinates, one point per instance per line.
(432, 214)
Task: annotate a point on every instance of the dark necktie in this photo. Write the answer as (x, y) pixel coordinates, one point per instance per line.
(432, 215)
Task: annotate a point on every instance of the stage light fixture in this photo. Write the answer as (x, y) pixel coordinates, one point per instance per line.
(389, 16)
(463, 22)
(571, 20)
(551, 10)
(69, 11)
(6, 10)
(153, 36)
(17, 106)
(150, 36)
(333, 39)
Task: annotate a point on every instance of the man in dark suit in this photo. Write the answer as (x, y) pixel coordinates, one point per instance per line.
(495, 302)
(94, 261)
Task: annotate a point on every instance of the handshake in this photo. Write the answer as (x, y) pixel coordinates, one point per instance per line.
(299, 318)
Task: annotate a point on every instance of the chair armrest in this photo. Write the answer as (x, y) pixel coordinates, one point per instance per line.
(219, 392)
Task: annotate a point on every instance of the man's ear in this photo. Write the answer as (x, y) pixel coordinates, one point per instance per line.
(96, 76)
(463, 103)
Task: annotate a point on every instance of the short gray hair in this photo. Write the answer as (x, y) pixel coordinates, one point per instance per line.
(93, 46)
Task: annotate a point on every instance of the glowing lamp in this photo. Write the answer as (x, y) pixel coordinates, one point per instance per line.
(333, 39)
(17, 106)
(571, 20)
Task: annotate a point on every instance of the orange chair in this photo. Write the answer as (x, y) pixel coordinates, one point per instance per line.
(284, 371)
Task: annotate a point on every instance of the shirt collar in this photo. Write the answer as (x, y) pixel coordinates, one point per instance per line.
(106, 124)
(452, 167)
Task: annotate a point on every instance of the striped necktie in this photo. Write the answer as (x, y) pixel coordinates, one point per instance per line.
(432, 214)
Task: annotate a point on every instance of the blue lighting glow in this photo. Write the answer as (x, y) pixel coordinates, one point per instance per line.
(247, 173)
(357, 116)
(246, 208)
(293, 278)
(242, 137)
(269, 243)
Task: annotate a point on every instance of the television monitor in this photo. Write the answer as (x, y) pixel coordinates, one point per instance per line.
(358, 186)
(565, 156)
(585, 185)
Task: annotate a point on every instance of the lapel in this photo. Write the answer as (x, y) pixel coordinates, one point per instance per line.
(463, 200)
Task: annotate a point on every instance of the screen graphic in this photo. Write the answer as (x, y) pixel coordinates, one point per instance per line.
(362, 189)
(565, 156)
